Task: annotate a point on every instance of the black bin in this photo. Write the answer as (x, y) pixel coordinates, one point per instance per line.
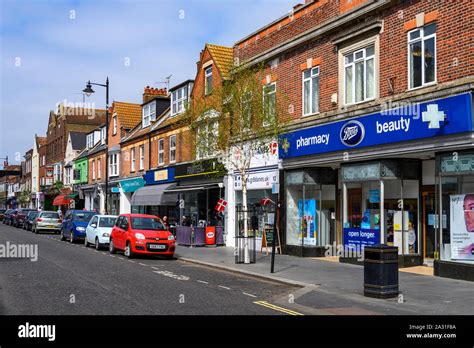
(381, 271)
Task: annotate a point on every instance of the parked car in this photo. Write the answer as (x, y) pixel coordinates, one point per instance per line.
(20, 217)
(136, 234)
(98, 230)
(75, 223)
(9, 216)
(28, 224)
(47, 221)
(2, 214)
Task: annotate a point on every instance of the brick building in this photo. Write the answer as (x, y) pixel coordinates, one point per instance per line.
(380, 96)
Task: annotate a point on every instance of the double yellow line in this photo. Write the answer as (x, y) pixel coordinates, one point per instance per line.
(277, 308)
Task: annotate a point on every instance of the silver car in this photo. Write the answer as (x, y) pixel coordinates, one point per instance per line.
(47, 221)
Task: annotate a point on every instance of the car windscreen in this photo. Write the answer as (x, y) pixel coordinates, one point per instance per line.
(144, 223)
(83, 216)
(32, 214)
(49, 215)
(107, 221)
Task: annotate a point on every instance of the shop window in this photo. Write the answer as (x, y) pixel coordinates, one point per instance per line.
(422, 56)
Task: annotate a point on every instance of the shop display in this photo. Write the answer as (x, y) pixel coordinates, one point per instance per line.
(462, 226)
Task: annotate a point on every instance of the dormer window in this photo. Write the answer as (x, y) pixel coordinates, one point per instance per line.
(208, 80)
(179, 100)
(149, 114)
(90, 140)
(102, 136)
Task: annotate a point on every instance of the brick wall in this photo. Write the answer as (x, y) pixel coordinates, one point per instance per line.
(95, 158)
(126, 158)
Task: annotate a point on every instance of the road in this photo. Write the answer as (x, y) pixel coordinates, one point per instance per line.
(71, 279)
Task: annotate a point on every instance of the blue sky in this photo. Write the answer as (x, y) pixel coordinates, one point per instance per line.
(50, 48)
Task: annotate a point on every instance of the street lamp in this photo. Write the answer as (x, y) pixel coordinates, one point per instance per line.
(88, 91)
(6, 180)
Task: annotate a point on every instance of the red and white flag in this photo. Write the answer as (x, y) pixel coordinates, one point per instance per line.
(266, 201)
(220, 206)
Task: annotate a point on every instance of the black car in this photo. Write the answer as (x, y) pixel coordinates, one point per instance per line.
(27, 225)
(2, 214)
(20, 217)
(9, 216)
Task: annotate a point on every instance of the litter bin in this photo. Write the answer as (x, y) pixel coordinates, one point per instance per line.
(210, 235)
(381, 271)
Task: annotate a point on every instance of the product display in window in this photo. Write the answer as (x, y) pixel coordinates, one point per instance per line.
(462, 226)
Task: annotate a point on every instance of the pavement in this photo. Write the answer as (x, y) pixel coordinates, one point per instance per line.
(328, 287)
(70, 279)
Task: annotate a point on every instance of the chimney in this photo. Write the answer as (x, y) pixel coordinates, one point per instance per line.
(150, 93)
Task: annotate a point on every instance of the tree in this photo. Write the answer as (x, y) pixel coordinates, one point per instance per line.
(25, 198)
(237, 121)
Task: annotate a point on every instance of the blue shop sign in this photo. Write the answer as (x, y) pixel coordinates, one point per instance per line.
(358, 238)
(160, 176)
(131, 185)
(439, 117)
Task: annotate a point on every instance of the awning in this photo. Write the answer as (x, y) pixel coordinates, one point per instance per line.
(62, 200)
(154, 195)
(184, 188)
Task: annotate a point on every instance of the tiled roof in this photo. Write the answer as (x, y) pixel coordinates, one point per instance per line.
(41, 140)
(129, 114)
(223, 57)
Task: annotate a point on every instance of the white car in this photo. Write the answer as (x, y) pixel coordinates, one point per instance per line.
(98, 230)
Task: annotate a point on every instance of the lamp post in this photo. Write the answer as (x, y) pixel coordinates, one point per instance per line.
(6, 180)
(88, 91)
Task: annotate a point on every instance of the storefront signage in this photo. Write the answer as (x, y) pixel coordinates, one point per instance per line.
(160, 176)
(258, 181)
(198, 169)
(357, 238)
(457, 163)
(439, 117)
(131, 185)
(462, 227)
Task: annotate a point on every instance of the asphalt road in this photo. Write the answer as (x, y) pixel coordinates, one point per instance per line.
(70, 279)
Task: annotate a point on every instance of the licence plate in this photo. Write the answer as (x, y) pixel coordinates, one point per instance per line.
(157, 246)
(52, 226)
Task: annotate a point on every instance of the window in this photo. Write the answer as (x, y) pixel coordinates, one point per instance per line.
(161, 151)
(93, 170)
(359, 75)
(269, 102)
(114, 120)
(142, 157)
(103, 135)
(99, 173)
(172, 148)
(208, 80)
(132, 164)
(43, 160)
(207, 136)
(113, 165)
(90, 140)
(68, 175)
(422, 56)
(311, 91)
(149, 114)
(179, 100)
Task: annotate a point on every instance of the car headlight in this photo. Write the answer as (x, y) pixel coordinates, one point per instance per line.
(80, 229)
(170, 237)
(105, 235)
(139, 236)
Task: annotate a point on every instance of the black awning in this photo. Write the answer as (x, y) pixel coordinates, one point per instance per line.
(184, 188)
(154, 195)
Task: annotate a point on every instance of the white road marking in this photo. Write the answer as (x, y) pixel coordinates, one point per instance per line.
(111, 255)
(223, 287)
(172, 275)
(104, 253)
(155, 268)
(131, 261)
(247, 294)
(202, 281)
(142, 264)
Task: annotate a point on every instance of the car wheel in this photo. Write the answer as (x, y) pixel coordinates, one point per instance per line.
(36, 230)
(112, 247)
(62, 236)
(128, 251)
(86, 243)
(72, 239)
(97, 244)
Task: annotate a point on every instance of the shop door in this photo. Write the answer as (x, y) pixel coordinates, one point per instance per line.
(429, 221)
(355, 207)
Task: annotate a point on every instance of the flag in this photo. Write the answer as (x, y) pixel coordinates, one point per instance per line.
(221, 204)
(266, 201)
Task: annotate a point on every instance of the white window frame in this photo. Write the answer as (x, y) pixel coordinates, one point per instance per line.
(353, 64)
(113, 165)
(209, 126)
(161, 151)
(172, 148)
(103, 135)
(114, 122)
(207, 74)
(422, 39)
(142, 157)
(132, 160)
(179, 100)
(310, 79)
(148, 114)
(99, 172)
(265, 94)
(90, 141)
(93, 169)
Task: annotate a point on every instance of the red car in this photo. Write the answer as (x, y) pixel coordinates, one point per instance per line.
(140, 234)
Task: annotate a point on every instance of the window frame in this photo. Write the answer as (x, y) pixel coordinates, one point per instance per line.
(362, 47)
(310, 79)
(265, 124)
(422, 38)
(99, 171)
(147, 114)
(114, 127)
(93, 170)
(176, 101)
(113, 164)
(133, 166)
(141, 163)
(207, 86)
(161, 151)
(172, 149)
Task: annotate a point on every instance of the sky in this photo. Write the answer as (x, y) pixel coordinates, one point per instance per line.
(50, 48)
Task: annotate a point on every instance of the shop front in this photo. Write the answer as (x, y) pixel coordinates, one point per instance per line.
(113, 199)
(393, 186)
(126, 190)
